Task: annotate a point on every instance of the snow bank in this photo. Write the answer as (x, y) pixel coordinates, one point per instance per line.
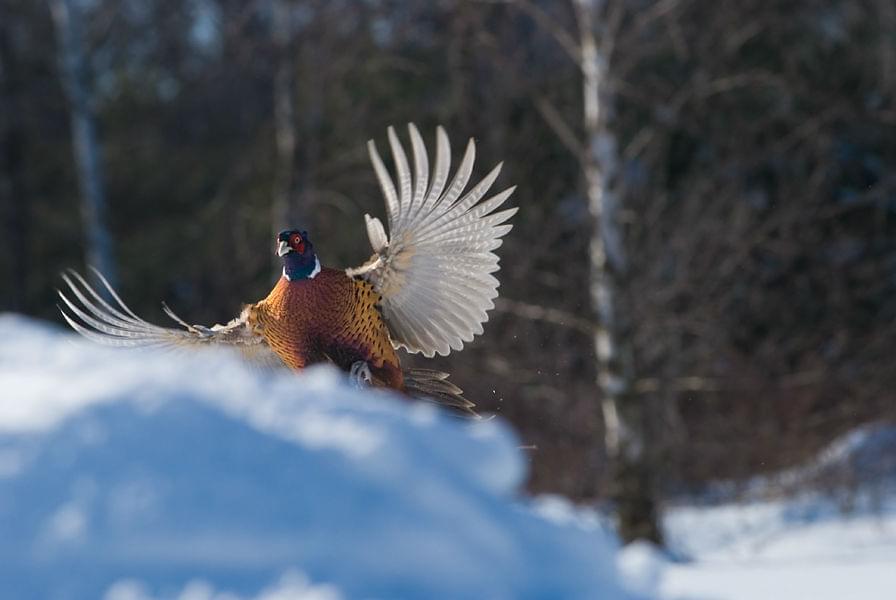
(800, 548)
(131, 475)
(805, 546)
(797, 548)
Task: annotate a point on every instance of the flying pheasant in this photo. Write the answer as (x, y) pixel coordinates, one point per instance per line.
(427, 288)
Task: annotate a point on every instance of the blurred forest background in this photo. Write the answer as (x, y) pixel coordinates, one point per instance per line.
(701, 280)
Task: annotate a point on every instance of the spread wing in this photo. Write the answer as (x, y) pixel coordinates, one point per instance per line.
(434, 270)
(93, 317)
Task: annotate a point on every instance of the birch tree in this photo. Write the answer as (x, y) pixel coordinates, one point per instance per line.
(67, 19)
(624, 423)
(595, 146)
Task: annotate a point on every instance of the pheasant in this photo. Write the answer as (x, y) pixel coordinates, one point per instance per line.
(426, 289)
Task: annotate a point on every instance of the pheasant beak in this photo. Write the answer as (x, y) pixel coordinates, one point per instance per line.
(283, 248)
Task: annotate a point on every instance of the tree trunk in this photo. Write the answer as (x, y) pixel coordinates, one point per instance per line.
(284, 123)
(73, 70)
(296, 164)
(633, 488)
(16, 216)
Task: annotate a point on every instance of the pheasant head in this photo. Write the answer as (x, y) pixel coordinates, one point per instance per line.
(297, 251)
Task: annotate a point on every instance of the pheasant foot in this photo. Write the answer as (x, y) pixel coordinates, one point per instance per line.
(360, 374)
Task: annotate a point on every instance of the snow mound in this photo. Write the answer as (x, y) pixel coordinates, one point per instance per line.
(134, 475)
(813, 544)
(798, 548)
(641, 567)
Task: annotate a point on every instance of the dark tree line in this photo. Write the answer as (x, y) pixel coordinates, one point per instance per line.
(747, 149)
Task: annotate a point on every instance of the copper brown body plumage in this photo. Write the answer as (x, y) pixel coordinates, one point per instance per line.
(330, 318)
(427, 288)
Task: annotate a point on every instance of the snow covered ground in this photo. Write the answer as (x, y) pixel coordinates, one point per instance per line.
(135, 476)
(788, 550)
(806, 547)
(129, 475)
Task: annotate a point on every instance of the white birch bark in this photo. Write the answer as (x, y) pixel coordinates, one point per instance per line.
(85, 145)
(632, 477)
(606, 256)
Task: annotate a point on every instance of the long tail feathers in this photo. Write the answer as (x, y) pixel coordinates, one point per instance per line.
(428, 384)
(99, 321)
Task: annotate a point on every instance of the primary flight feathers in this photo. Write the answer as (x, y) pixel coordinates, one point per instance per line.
(434, 270)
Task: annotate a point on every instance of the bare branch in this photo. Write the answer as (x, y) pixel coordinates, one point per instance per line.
(535, 312)
(560, 127)
(549, 24)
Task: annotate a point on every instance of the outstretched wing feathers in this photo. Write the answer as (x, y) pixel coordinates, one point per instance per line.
(88, 313)
(421, 168)
(376, 233)
(434, 269)
(386, 185)
(404, 175)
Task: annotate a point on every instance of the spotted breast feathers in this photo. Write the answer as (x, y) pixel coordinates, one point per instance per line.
(331, 317)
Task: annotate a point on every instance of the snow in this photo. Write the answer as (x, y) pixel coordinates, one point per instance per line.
(784, 549)
(145, 476)
(136, 475)
(806, 546)
(641, 565)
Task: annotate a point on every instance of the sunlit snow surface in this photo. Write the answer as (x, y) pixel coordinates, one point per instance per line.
(129, 476)
(801, 548)
(809, 547)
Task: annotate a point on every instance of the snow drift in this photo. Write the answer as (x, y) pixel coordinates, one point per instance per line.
(132, 475)
(809, 544)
